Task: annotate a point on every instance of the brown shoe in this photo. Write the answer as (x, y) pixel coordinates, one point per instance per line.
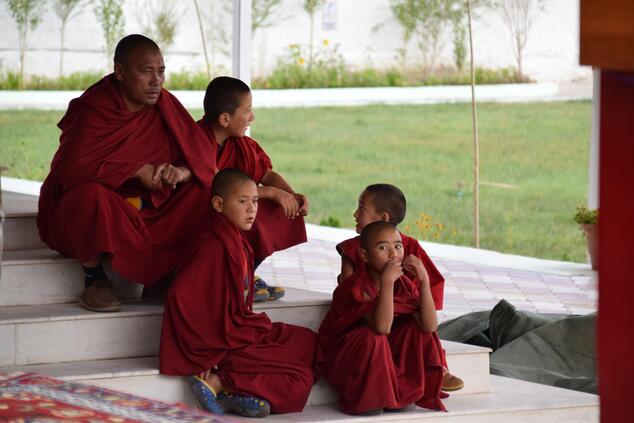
(100, 297)
(451, 383)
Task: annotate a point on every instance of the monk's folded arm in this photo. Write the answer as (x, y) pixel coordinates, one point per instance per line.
(383, 315)
(428, 319)
(273, 179)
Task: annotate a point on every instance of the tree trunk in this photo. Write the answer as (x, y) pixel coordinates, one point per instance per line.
(61, 50)
(202, 38)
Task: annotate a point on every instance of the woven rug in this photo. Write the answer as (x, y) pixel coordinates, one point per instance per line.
(28, 397)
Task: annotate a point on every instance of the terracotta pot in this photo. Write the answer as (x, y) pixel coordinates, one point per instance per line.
(592, 243)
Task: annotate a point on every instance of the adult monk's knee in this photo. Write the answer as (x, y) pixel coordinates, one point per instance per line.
(87, 194)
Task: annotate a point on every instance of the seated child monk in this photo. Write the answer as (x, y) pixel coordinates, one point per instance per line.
(385, 202)
(280, 222)
(233, 357)
(379, 336)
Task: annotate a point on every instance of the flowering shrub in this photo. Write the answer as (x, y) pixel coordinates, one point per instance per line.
(431, 230)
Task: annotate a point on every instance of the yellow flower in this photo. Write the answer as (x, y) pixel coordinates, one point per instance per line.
(436, 235)
(301, 61)
(440, 226)
(427, 226)
(326, 42)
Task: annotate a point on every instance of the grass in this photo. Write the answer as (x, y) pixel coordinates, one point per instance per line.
(533, 158)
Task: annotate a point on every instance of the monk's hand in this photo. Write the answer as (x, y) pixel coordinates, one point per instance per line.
(171, 175)
(415, 266)
(303, 203)
(288, 202)
(146, 176)
(391, 272)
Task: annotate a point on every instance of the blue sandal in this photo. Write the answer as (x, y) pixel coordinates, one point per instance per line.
(275, 292)
(245, 405)
(205, 395)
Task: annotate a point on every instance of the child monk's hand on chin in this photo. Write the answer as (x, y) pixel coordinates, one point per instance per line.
(414, 265)
(391, 272)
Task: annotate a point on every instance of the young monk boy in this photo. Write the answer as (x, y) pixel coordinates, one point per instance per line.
(280, 223)
(379, 336)
(385, 202)
(234, 357)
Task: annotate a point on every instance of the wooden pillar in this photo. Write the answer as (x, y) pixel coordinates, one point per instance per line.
(607, 43)
(616, 248)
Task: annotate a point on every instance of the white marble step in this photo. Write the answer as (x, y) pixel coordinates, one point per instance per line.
(509, 400)
(42, 276)
(140, 375)
(20, 226)
(66, 332)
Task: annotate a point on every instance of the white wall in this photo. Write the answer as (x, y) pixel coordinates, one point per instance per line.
(551, 53)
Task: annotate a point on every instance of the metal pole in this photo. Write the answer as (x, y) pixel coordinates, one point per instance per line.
(241, 57)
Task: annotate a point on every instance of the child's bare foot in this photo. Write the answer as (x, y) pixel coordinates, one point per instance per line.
(212, 380)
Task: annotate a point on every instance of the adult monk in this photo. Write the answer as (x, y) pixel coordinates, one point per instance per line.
(130, 179)
(280, 223)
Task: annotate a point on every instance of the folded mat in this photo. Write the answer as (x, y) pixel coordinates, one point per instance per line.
(552, 349)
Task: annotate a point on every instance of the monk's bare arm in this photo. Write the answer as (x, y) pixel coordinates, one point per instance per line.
(427, 319)
(383, 316)
(347, 268)
(281, 189)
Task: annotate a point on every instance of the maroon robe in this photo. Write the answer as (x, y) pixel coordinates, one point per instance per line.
(208, 322)
(370, 371)
(272, 230)
(82, 208)
(350, 250)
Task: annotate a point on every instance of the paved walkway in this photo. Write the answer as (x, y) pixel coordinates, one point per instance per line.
(312, 97)
(474, 279)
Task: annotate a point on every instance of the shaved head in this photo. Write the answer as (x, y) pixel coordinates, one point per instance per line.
(226, 180)
(224, 95)
(389, 199)
(133, 43)
(371, 230)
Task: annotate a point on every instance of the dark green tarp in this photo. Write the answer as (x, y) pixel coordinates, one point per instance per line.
(553, 349)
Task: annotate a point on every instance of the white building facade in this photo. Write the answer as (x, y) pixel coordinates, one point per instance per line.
(364, 32)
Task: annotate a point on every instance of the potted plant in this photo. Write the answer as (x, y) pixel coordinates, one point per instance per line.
(588, 220)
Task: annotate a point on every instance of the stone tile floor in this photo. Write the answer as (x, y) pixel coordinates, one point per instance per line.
(468, 286)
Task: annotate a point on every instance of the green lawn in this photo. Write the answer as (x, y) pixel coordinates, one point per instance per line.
(533, 158)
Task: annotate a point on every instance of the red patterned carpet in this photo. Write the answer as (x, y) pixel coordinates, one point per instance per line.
(28, 397)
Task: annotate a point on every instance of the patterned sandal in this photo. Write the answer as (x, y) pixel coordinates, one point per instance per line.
(205, 395)
(275, 292)
(245, 405)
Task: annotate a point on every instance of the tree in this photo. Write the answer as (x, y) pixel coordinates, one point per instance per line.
(405, 13)
(63, 9)
(426, 20)
(27, 15)
(109, 13)
(264, 14)
(311, 7)
(159, 20)
(519, 16)
(458, 16)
